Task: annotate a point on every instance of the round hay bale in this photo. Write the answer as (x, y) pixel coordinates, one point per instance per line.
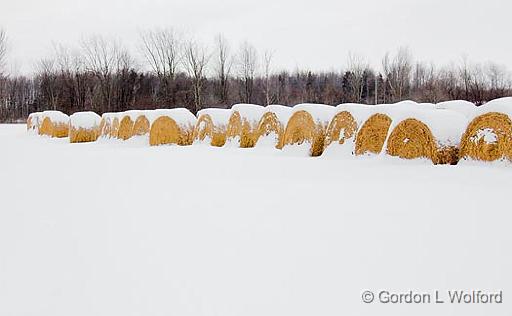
(487, 138)
(34, 121)
(141, 126)
(125, 128)
(307, 126)
(372, 135)
(175, 126)
(211, 126)
(114, 127)
(242, 126)
(54, 124)
(342, 127)
(412, 139)
(272, 125)
(84, 127)
(106, 124)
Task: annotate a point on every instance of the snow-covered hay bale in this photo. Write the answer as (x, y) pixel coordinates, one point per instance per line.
(211, 126)
(84, 127)
(141, 126)
(114, 127)
(308, 125)
(109, 125)
(175, 126)
(342, 127)
(54, 124)
(372, 135)
(127, 123)
(242, 126)
(272, 125)
(489, 135)
(411, 139)
(34, 121)
(125, 128)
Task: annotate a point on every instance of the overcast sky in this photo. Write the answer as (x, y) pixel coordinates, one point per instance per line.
(312, 34)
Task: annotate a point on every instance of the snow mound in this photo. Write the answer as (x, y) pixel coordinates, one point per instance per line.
(283, 113)
(250, 112)
(219, 116)
(132, 114)
(183, 117)
(84, 120)
(321, 113)
(463, 107)
(447, 126)
(56, 117)
(503, 105)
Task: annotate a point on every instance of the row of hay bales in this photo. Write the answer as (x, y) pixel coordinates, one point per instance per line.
(443, 132)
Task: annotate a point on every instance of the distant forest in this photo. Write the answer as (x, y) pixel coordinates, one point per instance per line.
(101, 75)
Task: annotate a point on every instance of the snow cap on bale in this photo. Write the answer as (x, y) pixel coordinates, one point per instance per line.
(488, 137)
(54, 124)
(174, 126)
(34, 121)
(211, 126)
(84, 127)
(425, 132)
(272, 125)
(463, 107)
(308, 125)
(243, 124)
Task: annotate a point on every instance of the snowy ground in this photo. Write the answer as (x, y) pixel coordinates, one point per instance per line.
(115, 228)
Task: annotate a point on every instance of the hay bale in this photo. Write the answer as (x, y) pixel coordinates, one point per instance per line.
(372, 135)
(34, 122)
(272, 125)
(54, 124)
(434, 134)
(343, 127)
(211, 126)
(106, 124)
(125, 128)
(141, 126)
(411, 139)
(127, 124)
(84, 127)
(175, 126)
(489, 135)
(114, 127)
(242, 129)
(307, 126)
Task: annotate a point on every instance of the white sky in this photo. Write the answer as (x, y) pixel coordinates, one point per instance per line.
(312, 34)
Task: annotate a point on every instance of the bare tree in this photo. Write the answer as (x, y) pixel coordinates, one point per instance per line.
(3, 51)
(47, 74)
(101, 59)
(357, 66)
(196, 61)
(267, 64)
(247, 64)
(222, 68)
(397, 70)
(162, 50)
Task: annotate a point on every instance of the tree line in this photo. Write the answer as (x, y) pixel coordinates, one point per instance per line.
(102, 75)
